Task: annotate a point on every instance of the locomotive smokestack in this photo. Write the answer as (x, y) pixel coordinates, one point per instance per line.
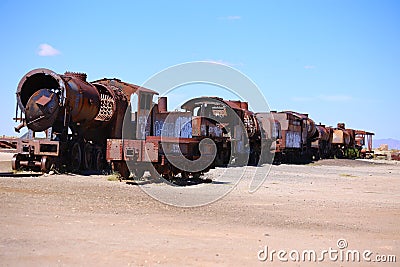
(162, 104)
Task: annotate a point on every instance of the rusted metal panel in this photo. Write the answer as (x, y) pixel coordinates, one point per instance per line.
(46, 147)
(114, 149)
(196, 126)
(337, 137)
(150, 152)
(133, 150)
(43, 100)
(39, 147)
(340, 137)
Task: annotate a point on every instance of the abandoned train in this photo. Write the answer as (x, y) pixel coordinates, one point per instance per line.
(111, 124)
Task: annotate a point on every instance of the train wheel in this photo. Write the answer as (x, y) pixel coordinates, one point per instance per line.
(45, 164)
(76, 157)
(88, 153)
(122, 169)
(99, 163)
(15, 162)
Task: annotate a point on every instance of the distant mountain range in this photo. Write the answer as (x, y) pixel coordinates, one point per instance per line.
(392, 143)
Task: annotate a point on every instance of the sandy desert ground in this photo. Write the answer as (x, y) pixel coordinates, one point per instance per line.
(64, 220)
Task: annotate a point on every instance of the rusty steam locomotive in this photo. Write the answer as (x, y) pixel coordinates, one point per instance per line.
(111, 124)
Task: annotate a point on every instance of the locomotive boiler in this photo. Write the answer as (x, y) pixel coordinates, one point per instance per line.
(76, 116)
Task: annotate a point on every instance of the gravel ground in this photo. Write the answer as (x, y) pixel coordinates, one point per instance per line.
(68, 220)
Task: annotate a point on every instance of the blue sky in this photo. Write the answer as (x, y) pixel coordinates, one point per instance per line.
(335, 60)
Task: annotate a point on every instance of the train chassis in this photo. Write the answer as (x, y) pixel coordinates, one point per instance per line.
(44, 155)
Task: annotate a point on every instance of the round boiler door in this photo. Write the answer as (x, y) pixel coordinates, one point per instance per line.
(41, 110)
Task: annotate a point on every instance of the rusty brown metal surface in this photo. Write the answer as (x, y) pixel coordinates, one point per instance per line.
(162, 104)
(363, 138)
(323, 133)
(41, 110)
(41, 147)
(114, 149)
(83, 99)
(340, 137)
(132, 150)
(292, 135)
(114, 97)
(79, 75)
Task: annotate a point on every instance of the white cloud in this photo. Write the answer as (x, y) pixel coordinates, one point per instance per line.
(46, 50)
(308, 67)
(230, 18)
(325, 98)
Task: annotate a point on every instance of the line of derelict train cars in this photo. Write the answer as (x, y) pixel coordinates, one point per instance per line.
(110, 124)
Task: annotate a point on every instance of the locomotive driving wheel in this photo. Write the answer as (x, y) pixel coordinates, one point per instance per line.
(99, 160)
(76, 157)
(88, 153)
